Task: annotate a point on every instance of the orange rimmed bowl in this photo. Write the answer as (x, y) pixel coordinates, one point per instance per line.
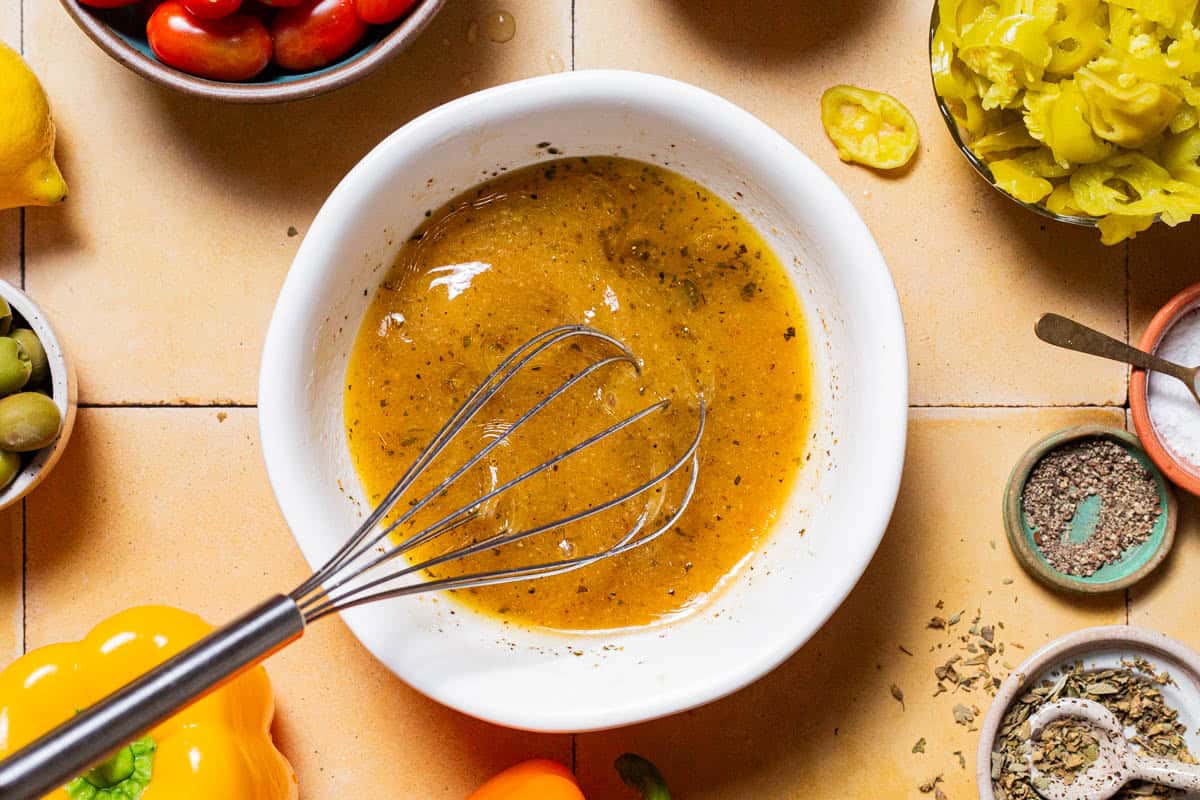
(1182, 473)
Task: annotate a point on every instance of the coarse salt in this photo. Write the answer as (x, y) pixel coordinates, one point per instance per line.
(1173, 410)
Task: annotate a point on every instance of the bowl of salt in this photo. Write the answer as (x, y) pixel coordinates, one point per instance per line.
(1166, 415)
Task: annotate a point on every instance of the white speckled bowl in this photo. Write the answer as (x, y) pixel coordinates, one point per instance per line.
(63, 389)
(1098, 648)
(833, 523)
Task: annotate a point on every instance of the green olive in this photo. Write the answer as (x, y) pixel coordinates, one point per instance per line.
(28, 421)
(5, 317)
(39, 364)
(15, 367)
(10, 467)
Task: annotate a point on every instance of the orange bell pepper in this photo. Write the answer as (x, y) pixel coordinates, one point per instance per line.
(548, 780)
(533, 780)
(219, 747)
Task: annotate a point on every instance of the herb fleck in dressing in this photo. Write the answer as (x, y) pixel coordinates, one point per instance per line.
(660, 263)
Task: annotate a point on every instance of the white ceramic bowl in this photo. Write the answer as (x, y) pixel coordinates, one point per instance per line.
(834, 521)
(63, 389)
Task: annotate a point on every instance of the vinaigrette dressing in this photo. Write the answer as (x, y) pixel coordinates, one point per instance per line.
(661, 264)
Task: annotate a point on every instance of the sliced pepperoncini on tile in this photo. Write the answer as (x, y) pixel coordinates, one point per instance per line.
(219, 747)
(1108, 91)
(869, 127)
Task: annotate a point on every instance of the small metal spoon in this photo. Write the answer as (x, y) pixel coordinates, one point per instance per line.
(1067, 333)
(1116, 765)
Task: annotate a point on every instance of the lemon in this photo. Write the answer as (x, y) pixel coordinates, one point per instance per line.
(28, 174)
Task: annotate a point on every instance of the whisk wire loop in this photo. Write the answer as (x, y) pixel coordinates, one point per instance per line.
(491, 385)
(346, 579)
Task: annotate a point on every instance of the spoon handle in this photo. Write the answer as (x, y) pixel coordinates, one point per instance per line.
(1165, 772)
(1063, 332)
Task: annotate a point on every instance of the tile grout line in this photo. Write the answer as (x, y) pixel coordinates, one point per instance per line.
(169, 405)
(572, 35)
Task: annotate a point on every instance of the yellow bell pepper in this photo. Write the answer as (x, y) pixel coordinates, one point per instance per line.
(219, 747)
(869, 127)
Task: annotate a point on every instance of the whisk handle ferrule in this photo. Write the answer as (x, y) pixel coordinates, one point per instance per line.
(70, 749)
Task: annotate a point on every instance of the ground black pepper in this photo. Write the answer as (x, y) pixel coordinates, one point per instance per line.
(1063, 479)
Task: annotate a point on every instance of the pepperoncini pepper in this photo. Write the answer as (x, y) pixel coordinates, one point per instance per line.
(1108, 91)
(869, 127)
(219, 747)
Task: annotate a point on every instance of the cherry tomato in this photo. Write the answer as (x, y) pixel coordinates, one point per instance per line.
(281, 3)
(315, 34)
(211, 9)
(109, 3)
(235, 48)
(381, 12)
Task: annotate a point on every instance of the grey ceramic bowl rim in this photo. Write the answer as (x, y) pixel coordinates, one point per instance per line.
(1057, 652)
(64, 391)
(977, 163)
(327, 80)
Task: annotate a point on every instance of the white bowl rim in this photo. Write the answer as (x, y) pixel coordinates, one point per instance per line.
(64, 392)
(278, 416)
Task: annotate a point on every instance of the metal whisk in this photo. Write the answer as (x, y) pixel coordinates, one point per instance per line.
(367, 568)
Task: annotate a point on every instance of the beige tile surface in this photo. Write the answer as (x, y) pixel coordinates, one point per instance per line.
(1168, 599)
(173, 506)
(974, 271)
(1162, 261)
(163, 268)
(10, 220)
(827, 718)
(10, 25)
(11, 612)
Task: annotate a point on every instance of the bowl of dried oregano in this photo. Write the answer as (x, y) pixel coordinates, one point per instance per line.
(1149, 681)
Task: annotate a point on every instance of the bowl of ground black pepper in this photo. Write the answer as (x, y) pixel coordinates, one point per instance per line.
(1087, 511)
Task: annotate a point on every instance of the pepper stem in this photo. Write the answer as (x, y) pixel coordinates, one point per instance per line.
(110, 773)
(640, 774)
(124, 776)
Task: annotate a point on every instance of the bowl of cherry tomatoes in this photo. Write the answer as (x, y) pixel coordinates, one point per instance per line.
(253, 51)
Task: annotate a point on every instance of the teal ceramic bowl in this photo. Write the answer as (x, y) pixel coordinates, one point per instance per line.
(1134, 564)
(121, 33)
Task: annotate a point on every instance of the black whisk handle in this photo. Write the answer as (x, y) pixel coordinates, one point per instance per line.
(94, 734)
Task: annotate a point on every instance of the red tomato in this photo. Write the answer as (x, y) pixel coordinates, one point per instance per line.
(315, 33)
(381, 12)
(235, 48)
(211, 9)
(109, 3)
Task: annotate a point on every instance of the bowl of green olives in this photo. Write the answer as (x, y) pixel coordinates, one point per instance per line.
(38, 395)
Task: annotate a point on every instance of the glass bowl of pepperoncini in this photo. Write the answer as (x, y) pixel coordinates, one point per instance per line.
(1083, 111)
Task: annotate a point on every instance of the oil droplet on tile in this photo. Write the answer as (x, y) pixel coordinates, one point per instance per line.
(555, 62)
(473, 32)
(500, 26)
